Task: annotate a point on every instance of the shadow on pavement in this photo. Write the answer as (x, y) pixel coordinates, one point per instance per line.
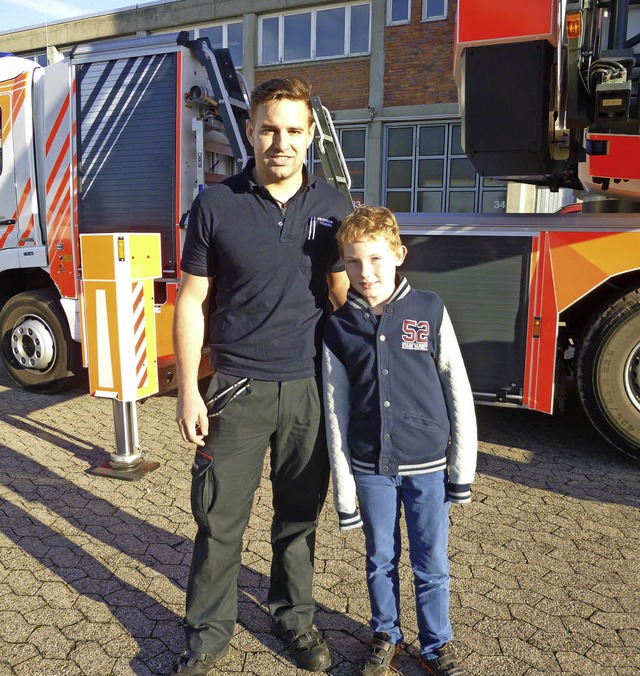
(138, 612)
(560, 453)
(166, 553)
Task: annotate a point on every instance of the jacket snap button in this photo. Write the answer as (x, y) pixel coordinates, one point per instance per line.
(382, 338)
(387, 404)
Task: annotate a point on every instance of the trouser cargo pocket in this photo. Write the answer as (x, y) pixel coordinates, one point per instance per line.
(202, 489)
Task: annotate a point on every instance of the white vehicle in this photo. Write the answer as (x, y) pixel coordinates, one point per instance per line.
(117, 136)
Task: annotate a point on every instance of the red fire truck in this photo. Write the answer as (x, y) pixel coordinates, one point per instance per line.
(548, 94)
(120, 136)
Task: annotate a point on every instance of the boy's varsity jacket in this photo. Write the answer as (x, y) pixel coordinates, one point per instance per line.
(397, 396)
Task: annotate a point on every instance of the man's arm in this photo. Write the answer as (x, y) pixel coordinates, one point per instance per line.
(338, 286)
(188, 337)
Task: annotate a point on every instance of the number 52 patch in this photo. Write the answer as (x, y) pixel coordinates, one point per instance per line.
(415, 335)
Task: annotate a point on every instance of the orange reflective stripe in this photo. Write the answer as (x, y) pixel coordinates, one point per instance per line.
(56, 124)
(59, 161)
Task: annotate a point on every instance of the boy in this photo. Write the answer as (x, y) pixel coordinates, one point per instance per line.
(401, 430)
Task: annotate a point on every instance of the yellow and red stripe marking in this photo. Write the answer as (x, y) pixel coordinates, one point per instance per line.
(5, 235)
(566, 266)
(140, 334)
(60, 203)
(584, 260)
(26, 194)
(17, 88)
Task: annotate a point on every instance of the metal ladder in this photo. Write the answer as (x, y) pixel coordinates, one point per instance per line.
(229, 92)
(329, 150)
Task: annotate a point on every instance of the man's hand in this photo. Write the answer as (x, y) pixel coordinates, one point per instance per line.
(338, 283)
(191, 416)
(188, 336)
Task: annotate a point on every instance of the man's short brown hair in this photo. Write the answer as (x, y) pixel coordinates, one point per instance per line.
(366, 224)
(278, 88)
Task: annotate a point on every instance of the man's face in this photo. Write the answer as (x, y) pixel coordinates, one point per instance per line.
(371, 268)
(280, 135)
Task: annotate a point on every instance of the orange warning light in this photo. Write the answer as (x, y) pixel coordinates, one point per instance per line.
(537, 322)
(574, 25)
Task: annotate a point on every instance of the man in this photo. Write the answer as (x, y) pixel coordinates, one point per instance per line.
(260, 259)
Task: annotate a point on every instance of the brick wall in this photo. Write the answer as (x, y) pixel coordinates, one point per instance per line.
(419, 60)
(341, 84)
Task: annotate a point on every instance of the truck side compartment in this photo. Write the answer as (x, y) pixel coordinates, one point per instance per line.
(107, 140)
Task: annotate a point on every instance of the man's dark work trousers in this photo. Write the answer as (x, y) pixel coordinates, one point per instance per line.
(287, 417)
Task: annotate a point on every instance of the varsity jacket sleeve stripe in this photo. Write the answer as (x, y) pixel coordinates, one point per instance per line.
(459, 399)
(336, 401)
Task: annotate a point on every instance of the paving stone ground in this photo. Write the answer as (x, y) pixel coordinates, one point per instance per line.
(545, 561)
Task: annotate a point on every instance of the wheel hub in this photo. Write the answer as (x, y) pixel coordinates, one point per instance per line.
(32, 344)
(632, 376)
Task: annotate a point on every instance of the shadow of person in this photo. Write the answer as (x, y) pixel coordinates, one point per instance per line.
(56, 565)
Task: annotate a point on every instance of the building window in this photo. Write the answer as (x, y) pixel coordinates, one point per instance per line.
(326, 33)
(228, 35)
(40, 58)
(426, 170)
(353, 141)
(434, 10)
(398, 11)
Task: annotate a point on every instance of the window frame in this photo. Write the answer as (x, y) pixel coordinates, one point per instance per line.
(313, 12)
(439, 17)
(225, 34)
(400, 22)
(482, 186)
(313, 157)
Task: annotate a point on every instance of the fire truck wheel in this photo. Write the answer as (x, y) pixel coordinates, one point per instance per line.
(608, 372)
(36, 346)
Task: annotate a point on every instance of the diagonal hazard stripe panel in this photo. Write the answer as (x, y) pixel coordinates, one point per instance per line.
(139, 334)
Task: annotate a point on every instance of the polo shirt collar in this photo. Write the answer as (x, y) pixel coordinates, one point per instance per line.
(309, 180)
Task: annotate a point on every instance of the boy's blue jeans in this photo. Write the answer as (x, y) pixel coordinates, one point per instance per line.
(426, 509)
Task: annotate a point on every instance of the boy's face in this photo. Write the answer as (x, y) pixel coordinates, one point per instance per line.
(371, 268)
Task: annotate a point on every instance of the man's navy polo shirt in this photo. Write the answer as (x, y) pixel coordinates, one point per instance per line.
(270, 273)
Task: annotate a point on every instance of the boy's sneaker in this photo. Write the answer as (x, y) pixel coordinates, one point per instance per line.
(379, 656)
(197, 664)
(446, 664)
(308, 649)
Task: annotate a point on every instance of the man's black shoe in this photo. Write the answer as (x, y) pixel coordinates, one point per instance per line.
(197, 664)
(307, 647)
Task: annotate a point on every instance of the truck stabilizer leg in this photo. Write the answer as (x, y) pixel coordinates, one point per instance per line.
(126, 463)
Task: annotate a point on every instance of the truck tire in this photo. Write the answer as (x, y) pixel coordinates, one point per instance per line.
(36, 346)
(608, 372)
